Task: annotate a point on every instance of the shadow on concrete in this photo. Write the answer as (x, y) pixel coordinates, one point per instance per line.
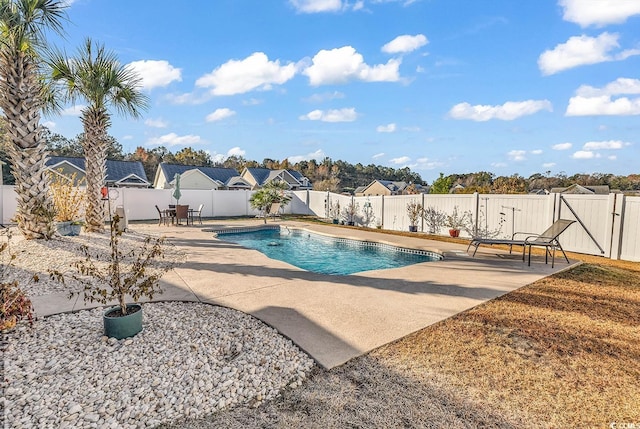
(327, 349)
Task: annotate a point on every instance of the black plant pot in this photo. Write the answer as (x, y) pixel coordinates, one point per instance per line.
(117, 326)
(413, 228)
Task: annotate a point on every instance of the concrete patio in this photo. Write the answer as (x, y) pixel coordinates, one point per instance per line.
(333, 318)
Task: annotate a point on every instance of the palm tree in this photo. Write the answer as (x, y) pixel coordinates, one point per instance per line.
(22, 27)
(271, 193)
(96, 77)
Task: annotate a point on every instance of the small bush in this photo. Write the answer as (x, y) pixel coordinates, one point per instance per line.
(14, 303)
(68, 198)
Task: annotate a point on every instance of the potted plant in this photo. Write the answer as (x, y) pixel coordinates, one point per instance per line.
(334, 212)
(434, 219)
(455, 221)
(67, 201)
(350, 212)
(414, 211)
(107, 280)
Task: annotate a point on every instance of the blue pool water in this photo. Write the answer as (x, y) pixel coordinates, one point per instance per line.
(326, 255)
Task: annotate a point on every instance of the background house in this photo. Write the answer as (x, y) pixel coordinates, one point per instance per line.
(584, 190)
(258, 177)
(389, 187)
(197, 177)
(119, 173)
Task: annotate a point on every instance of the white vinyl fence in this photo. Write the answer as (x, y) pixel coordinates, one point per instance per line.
(606, 225)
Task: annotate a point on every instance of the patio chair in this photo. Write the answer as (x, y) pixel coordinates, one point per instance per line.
(274, 210)
(548, 239)
(182, 212)
(163, 216)
(196, 213)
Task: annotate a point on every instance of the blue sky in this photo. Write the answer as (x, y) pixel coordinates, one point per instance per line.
(448, 86)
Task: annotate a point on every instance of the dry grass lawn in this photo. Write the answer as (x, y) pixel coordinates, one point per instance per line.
(561, 352)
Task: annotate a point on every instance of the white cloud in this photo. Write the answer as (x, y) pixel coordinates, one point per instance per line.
(498, 164)
(585, 154)
(405, 43)
(127, 137)
(536, 152)
(333, 115)
(240, 76)
(49, 124)
(327, 96)
(342, 65)
(619, 86)
(403, 160)
(612, 157)
(220, 114)
(389, 128)
(317, 155)
(507, 112)
(73, 110)
(378, 155)
(562, 146)
(600, 101)
(611, 144)
(316, 6)
(236, 151)
(582, 50)
(549, 164)
(603, 105)
(188, 98)
(156, 74)
(220, 157)
(425, 164)
(517, 155)
(599, 12)
(172, 139)
(251, 102)
(156, 123)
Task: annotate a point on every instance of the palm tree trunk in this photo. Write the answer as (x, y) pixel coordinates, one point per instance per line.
(20, 101)
(95, 122)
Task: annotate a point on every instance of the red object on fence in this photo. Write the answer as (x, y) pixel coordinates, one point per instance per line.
(104, 191)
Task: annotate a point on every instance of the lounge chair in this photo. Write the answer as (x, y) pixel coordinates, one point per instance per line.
(548, 239)
(274, 210)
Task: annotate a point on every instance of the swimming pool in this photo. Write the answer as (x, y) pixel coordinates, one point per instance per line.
(326, 255)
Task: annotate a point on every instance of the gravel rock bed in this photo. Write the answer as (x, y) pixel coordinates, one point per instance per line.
(190, 359)
(39, 256)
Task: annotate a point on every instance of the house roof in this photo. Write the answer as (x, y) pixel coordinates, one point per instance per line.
(579, 189)
(237, 181)
(218, 174)
(122, 172)
(264, 175)
(360, 189)
(393, 186)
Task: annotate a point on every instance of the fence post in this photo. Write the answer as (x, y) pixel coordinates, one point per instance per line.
(617, 215)
(422, 217)
(382, 212)
(476, 215)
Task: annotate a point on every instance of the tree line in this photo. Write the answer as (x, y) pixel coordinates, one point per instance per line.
(328, 175)
(485, 182)
(335, 176)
